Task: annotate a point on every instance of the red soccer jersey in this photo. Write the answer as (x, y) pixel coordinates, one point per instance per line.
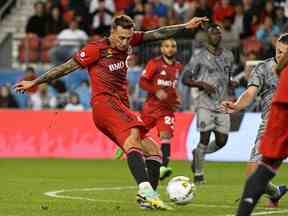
(281, 94)
(160, 75)
(274, 142)
(107, 67)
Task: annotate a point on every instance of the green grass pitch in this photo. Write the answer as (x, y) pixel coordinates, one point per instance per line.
(105, 188)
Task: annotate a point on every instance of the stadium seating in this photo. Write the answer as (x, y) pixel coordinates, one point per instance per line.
(251, 44)
(46, 44)
(29, 48)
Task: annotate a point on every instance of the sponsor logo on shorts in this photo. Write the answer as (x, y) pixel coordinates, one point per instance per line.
(202, 124)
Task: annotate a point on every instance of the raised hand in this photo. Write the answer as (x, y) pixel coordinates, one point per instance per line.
(195, 22)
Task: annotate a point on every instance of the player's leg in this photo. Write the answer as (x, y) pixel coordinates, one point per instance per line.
(149, 123)
(217, 144)
(274, 192)
(256, 185)
(146, 197)
(165, 141)
(153, 160)
(165, 127)
(274, 148)
(221, 131)
(152, 152)
(126, 130)
(199, 157)
(135, 157)
(205, 124)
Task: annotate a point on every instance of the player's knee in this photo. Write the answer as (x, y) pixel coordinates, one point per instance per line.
(273, 163)
(250, 168)
(150, 147)
(133, 140)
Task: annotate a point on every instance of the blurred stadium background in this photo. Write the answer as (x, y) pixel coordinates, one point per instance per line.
(54, 120)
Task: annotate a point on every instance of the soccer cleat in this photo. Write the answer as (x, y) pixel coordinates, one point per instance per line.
(199, 179)
(274, 201)
(118, 154)
(193, 165)
(165, 172)
(149, 199)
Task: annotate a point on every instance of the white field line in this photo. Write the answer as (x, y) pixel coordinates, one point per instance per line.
(57, 194)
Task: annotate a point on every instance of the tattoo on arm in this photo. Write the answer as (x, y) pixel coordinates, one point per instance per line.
(163, 32)
(58, 71)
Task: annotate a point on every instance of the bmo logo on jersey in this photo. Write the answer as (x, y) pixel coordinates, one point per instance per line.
(166, 83)
(116, 66)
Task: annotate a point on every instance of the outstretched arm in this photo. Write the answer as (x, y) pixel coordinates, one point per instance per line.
(243, 101)
(52, 74)
(57, 72)
(169, 31)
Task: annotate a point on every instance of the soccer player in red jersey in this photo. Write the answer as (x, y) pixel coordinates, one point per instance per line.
(274, 142)
(159, 79)
(105, 61)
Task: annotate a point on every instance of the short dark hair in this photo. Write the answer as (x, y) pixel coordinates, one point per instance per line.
(170, 38)
(283, 38)
(124, 21)
(30, 69)
(208, 26)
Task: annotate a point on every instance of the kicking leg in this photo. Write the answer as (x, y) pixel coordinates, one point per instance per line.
(153, 159)
(146, 197)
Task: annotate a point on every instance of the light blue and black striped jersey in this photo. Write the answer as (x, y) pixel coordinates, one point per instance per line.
(216, 71)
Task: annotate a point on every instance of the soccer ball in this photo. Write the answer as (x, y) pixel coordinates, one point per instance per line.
(180, 190)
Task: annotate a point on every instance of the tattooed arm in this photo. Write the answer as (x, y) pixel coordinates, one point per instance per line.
(52, 74)
(169, 31)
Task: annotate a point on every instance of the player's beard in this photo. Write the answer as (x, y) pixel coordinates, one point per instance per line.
(169, 57)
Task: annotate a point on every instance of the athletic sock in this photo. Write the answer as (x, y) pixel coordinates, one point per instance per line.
(137, 165)
(212, 147)
(199, 159)
(254, 188)
(153, 164)
(165, 148)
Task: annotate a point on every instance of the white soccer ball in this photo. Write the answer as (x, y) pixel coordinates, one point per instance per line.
(181, 190)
